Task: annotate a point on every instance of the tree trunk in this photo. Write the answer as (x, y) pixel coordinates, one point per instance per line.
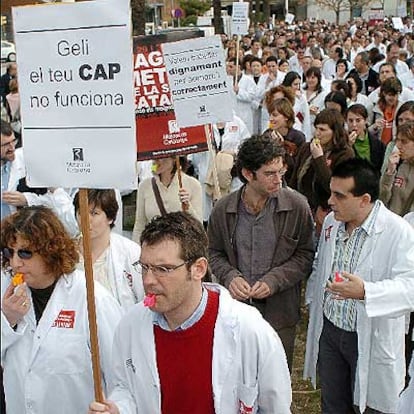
(266, 11)
(257, 11)
(217, 20)
(337, 16)
(138, 17)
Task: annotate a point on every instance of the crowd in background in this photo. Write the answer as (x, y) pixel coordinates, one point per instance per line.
(326, 94)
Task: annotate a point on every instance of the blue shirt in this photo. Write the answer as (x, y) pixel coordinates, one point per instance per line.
(5, 176)
(159, 319)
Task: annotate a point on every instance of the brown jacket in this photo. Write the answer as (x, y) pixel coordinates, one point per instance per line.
(292, 258)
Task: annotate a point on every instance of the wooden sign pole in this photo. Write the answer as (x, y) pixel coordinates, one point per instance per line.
(209, 135)
(184, 206)
(90, 291)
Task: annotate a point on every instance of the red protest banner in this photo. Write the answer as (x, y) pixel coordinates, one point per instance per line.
(158, 135)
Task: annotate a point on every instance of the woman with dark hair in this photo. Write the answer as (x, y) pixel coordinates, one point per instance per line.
(282, 118)
(293, 80)
(341, 69)
(162, 192)
(336, 100)
(113, 255)
(316, 160)
(404, 114)
(314, 92)
(338, 85)
(397, 184)
(283, 65)
(364, 144)
(384, 112)
(277, 92)
(354, 88)
(45, 344)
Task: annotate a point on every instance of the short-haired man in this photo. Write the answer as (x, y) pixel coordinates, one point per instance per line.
(393, 53)
(11, 73)
(12, 170)
(368, 76)
(193, 349)
(377, 42)
(361, 288)
(261, 238)
(245, 91)
(329, 66)
(387, 71)
(14, 191)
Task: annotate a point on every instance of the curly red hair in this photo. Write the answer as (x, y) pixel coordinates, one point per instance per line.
(45, 234)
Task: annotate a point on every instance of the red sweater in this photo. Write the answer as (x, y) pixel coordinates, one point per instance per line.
(184, 361)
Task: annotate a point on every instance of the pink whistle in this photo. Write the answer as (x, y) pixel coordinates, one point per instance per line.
(338, 278)
(149, 300)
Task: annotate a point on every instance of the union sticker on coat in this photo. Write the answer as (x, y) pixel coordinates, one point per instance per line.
(245, 409)
(65, 319)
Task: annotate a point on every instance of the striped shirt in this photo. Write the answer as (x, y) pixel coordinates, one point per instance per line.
(342, 313)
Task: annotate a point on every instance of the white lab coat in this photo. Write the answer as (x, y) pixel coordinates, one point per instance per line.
(386, 264)
(47, 369)
(406, 401)
(17, 171)
(249, 363)
(125, 279)
(245, 101)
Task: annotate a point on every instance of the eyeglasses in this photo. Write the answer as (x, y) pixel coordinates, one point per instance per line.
(23, 254)
(12, 142)
(272, 174)
(159, 271)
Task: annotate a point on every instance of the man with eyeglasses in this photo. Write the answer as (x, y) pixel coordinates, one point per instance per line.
(15, 192)
(360, 290)
(189, 347)
(12, 168)
(261, 238)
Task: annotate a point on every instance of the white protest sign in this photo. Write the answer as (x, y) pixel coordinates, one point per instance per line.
(77, 99)
(240, 18)
(289, 18)
(397, 23)
(198, 81)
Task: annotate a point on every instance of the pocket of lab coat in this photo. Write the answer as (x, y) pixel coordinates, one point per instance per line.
(247, 398)
(383, 348)
(70, 355)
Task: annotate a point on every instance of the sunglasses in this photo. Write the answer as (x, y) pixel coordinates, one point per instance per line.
(23, 254)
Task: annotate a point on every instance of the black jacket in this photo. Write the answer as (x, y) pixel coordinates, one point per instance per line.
(370, 84)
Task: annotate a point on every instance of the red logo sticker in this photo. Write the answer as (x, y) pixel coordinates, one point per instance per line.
(244, 409)
(65, 319)
(328, 233)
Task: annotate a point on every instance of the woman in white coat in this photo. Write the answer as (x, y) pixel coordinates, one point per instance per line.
(45, 346)
(113, 256)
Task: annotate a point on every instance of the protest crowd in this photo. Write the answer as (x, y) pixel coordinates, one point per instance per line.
(198, 310)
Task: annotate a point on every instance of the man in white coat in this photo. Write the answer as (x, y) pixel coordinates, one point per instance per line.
(13, 170)
(12, 167)
(245, 91)
(189, 347)
(359, 292)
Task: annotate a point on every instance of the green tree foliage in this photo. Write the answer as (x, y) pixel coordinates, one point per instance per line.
(194, 8)
(138, 16)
